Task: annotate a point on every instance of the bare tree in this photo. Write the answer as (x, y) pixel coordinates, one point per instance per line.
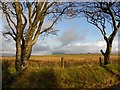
(100, 14)
(25, 20)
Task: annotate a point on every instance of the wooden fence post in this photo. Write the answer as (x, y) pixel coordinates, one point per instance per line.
(62, 62)
(65, 63)
(48, 64)
(100, 59)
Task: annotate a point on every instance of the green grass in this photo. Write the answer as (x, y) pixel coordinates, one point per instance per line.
(82, 76)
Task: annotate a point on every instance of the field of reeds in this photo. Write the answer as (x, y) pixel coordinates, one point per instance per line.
(62, 71)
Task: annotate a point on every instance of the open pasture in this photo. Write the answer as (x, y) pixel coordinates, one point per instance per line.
(68, 59)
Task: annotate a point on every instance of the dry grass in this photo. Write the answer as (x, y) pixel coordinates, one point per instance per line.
(76, 57)
(81, 71)
(71, 60)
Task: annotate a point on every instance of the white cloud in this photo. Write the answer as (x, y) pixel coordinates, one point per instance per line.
(100, 43)
(53, 45)
(8, 45)
(89, 47)
(71, 35)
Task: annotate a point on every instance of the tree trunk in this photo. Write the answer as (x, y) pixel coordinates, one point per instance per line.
(18, 55)
(107, 53)
(22, 56)
(109, 41)
(26, 55)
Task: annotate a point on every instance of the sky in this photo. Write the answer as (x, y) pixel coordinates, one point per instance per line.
(75, 36)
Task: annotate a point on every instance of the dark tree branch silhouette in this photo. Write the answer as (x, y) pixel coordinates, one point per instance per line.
(98, 13)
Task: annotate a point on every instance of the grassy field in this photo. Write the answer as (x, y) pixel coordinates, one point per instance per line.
(85, 58)
(80, 71)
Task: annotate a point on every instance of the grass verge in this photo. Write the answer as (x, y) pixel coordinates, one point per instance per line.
(83, 76)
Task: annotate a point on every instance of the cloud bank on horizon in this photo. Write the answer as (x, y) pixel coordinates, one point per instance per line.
(67, 43)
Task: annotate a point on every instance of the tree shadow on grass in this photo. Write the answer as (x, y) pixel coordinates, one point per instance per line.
(44, 78)
(110, 71)
(41, 78)
(114, 87)
(6, 75)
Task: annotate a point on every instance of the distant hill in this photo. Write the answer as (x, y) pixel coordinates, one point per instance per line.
(58, 53)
